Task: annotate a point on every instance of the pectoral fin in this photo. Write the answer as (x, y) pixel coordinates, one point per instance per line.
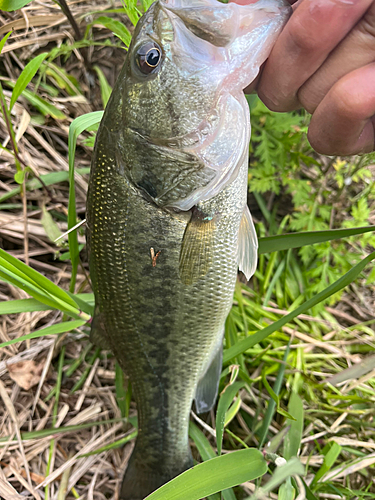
(98, 334)
(197, 247)
(247, 250)
(208, 385)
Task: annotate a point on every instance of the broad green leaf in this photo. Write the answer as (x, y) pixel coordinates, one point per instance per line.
(116, 27)
(213, 476)
(105, 88)
(292, 440)
(206, 452)
(10, 5)
(5, 37)
(26, 76)
(65, 326)
(260, 335)
(225, 401)
(296, 240)
(76, 127)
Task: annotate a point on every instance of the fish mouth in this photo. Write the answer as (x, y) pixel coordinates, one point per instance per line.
(210, 21)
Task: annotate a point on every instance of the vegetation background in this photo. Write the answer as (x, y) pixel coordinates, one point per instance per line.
(299, 368)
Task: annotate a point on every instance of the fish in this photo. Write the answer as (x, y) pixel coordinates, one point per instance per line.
(168, 225)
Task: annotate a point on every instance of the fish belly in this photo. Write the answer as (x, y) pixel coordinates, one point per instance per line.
(162, 331)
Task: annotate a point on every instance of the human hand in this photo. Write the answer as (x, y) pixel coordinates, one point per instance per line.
(323, 62)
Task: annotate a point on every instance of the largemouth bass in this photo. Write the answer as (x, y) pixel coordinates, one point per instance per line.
(167, 220)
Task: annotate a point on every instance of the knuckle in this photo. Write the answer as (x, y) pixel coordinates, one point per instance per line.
(367, 25)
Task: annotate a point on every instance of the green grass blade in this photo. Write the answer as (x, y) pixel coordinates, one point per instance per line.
(260, 335)
(206, 452)
(292, 468)
(11, 5)
(31, 305)
(225, 401)
(274, 398)
(329, 460)
(116, 27)
(27, 435)
(26, 76)
(76, 127)
(22, 305)
(65, 326)
(105, 88)
(5, 38)
(213, 476)
(292, 440)
(296, 240)
(46, 108)
(48, 180)
(36, 279)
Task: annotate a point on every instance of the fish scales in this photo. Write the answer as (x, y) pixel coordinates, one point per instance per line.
(167, 221)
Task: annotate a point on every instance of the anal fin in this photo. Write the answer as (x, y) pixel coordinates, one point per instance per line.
(197, 247)
(98, 334)
(208, 385)
(247, 250)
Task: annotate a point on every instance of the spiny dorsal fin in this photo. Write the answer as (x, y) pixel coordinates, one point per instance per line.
(197, 247)
(247, 250)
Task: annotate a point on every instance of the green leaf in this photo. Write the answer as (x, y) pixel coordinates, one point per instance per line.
(76, 127)
(116, 27)
(51, 228)
(292, 440)
(5, 38)
(26, 76)
(286, 491)
(225, 401)
(10, 5)
(65, 326)
(292, 468)
(329, 460)
(274, 401)
(260, 335)
(37, 285)
(213, 476)
(42, 105)
(22, 305)
(105, 88)
(19, 176)
(296, 240)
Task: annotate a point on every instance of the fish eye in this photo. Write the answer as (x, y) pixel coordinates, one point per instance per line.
(148, 57)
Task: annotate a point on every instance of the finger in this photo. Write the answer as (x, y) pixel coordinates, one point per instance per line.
(355, 51)
(313, 31)
(343, 123)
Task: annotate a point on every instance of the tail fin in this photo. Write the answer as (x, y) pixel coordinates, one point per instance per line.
(140, 480)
